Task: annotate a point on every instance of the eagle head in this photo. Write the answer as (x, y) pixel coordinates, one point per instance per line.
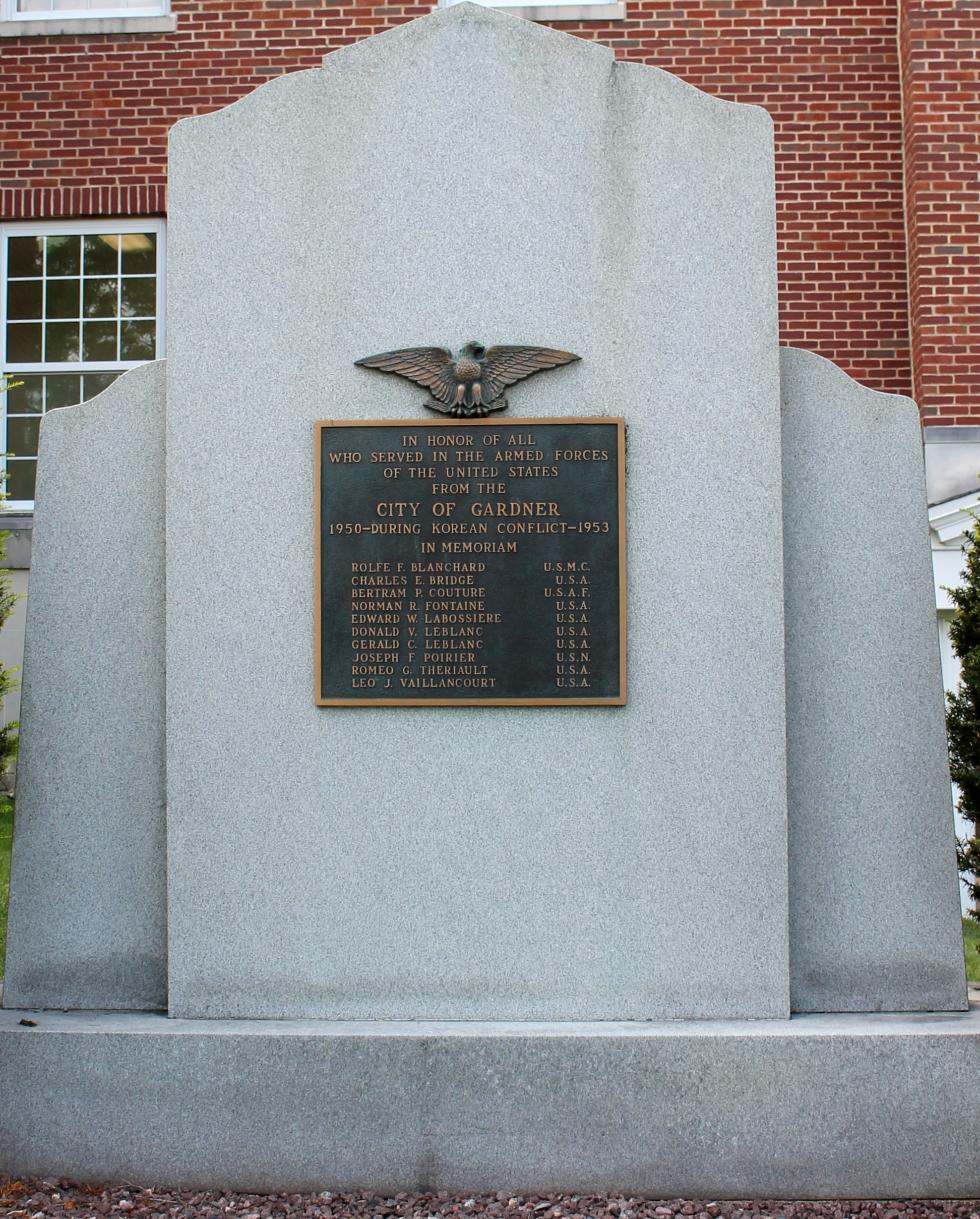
(475, 350)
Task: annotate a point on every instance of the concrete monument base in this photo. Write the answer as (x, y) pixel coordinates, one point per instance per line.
(817, 1106)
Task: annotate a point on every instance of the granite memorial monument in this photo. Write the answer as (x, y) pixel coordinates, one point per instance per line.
(691, 928)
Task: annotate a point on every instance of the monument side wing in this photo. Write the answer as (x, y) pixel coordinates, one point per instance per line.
(874, 909)
(88, 876)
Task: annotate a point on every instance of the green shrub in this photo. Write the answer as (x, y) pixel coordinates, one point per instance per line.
(963, 716)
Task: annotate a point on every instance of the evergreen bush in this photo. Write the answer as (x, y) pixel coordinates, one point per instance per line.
(963, 715)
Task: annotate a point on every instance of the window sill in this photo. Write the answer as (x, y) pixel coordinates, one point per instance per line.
(567, 12)
(88, 25)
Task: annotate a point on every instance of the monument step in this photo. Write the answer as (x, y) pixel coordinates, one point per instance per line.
(807, 1107)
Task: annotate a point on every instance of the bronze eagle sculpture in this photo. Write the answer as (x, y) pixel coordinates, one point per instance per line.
(473, 383)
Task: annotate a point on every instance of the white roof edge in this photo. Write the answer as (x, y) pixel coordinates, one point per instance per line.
(954, 518)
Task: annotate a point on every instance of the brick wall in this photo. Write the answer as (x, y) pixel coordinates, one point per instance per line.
(828, 73)
(940, 54)
(84, 122)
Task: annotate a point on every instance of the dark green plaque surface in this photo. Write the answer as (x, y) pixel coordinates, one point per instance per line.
(470, 563)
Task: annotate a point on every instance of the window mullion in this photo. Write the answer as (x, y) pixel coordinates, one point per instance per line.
(44, 300)
(119, 300)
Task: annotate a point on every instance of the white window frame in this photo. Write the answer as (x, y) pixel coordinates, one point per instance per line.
(12, 13)
(105, 19)
(58, 228)
(555, 10)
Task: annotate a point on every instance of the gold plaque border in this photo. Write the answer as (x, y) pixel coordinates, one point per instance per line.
(615, 701)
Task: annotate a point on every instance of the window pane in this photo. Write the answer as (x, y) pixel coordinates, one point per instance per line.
(99, 342)
(24, 299)
(96, 382)
(138, 341)
(102, 254)
(60, 341)
(24, 342)
(139, 253)
(62, 298)
(71, 297)
(139, 298)
(26, 397)
(101, 296)
(22, 436)
(64, 389)
(24, 256)
(34, 6)
(20, 479)
(64, 255)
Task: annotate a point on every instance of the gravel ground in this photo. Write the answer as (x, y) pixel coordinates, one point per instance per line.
(40, 1199)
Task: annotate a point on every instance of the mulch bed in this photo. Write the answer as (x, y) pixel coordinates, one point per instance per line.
(41, 1199)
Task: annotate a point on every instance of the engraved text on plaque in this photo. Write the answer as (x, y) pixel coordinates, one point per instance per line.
(469, 563)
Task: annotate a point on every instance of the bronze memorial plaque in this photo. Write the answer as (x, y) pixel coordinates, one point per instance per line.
(470, 562)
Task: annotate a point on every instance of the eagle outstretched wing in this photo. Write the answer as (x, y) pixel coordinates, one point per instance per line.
(431, 367)
(507, 365)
